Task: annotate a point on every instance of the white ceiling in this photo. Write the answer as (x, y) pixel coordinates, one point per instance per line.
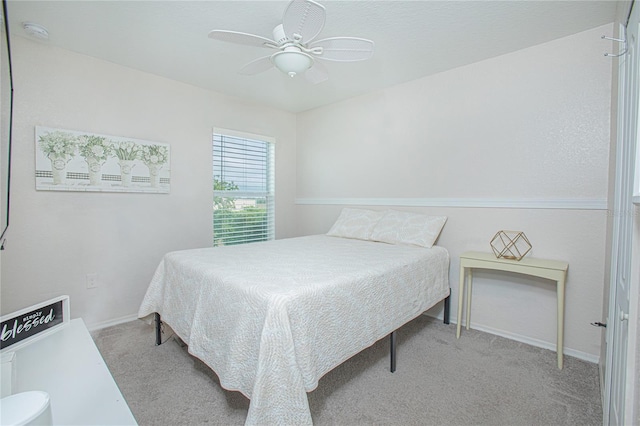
(412, 39)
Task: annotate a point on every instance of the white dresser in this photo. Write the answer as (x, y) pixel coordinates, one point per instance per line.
(68, 366)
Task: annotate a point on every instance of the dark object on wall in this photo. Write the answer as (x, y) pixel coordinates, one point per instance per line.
(6, 121)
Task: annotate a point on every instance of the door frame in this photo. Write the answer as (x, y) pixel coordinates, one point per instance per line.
(625, 174)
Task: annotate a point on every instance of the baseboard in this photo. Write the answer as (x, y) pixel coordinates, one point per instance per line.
(109, 323)
(529, 341)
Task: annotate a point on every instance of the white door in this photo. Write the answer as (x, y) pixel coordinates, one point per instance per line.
(618, 321)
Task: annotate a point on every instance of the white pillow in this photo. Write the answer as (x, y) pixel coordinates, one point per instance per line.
(408, 228)
(355, 223)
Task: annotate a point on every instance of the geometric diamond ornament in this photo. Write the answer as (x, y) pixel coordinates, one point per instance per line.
(510, 245)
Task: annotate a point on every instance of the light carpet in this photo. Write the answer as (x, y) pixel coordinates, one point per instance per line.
(479, 379)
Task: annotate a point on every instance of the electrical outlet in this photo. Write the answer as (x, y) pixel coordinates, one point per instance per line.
(92, 280)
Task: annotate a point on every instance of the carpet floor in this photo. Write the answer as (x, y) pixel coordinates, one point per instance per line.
(479, 379)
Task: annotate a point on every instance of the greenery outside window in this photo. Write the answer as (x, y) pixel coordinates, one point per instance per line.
(243, 188)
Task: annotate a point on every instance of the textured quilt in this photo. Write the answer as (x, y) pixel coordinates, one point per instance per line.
(272, 318)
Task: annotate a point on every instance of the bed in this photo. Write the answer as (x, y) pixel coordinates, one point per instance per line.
(271, 318)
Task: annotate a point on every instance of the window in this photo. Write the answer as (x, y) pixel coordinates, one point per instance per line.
(243, 188)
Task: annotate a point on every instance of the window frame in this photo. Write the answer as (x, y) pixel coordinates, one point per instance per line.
(268, 194)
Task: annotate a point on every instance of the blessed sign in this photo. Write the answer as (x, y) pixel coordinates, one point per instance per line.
(32, 321)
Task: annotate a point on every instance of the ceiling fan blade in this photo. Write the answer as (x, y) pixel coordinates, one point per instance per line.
(303, 20)
(316, 74)
(242, 38)
(257, 66)
(344, 49)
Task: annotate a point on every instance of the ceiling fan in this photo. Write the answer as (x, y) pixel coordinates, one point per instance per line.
(296, 50)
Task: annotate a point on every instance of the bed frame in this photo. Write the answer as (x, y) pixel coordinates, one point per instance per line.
(392, 336)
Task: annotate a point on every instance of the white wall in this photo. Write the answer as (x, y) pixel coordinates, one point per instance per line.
(56, 238)
(531, 128)
(525, 134)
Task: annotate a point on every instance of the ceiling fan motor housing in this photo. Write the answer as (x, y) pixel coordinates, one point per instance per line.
(279, 36)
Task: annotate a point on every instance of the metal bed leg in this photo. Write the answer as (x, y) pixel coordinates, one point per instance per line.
(158, 329)
(447, 304)
(393, 351)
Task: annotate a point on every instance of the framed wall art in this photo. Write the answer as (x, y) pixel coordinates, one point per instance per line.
(69, 160)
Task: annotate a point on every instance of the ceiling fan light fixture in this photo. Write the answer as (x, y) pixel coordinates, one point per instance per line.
(292, 62)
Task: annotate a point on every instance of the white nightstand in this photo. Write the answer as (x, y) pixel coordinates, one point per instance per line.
(551, 269)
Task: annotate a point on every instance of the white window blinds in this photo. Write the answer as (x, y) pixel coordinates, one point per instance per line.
(243, 189)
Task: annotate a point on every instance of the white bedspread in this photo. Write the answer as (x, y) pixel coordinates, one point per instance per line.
(272, 318)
